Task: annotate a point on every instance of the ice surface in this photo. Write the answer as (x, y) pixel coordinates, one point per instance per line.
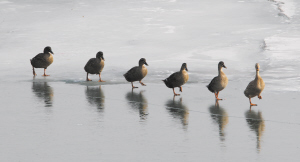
(65, 118)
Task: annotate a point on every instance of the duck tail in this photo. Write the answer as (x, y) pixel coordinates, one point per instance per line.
(209, 88)
(126, 77)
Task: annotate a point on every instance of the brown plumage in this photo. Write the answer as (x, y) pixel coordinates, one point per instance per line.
(219, 82)
(177, 79)
(255, 87)
(137, 73)
(42, 60)
(95, 66)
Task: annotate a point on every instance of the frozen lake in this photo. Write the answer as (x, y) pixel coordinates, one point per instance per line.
(64, 118)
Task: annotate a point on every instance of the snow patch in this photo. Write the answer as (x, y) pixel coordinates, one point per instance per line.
(286, 8)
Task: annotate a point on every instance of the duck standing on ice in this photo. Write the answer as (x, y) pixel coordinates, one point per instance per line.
(255, 87)
(219, 82)
(42, 60)
(177, 79)
(137, 73)
(95, 66)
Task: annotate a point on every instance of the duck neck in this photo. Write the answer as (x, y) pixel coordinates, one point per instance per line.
(257, 74)
(220, 70)
(141, 64)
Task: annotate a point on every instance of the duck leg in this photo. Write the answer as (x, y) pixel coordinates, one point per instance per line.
(251, 104)
(87, 77)
(180, 88)
(45, 73)
(217, 94)
(142, 83)
(33, 71)
(175, 94)
(133, 86)
(34, 74)
(100, 79)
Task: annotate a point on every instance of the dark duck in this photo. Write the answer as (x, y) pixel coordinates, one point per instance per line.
(137, 73)
(177, 79)
(42, 60)
(95, 66)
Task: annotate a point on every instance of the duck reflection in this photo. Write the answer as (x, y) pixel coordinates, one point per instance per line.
(178, 110)
(44, 92)
(257, 124)
(138, 102)
(95, 97)
(220, 116)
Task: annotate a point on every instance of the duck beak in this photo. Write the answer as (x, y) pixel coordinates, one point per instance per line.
(146, 64)
(224, 66)
(103, 58)
(51, 52)
(186, 69)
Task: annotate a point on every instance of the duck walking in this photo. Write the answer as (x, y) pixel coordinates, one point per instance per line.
(42, 60)
(219, 82)
(255, 87)
(137, 73)
(95, 66)
(177, 79)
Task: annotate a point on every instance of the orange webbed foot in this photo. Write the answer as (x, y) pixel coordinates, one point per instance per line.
(142, 83)
(45, 75)
(251, 104)
(88, 79)
(101, 81)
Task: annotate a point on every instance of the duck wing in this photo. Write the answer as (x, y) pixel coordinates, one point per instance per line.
(175, 80)
(133, 74)
(251, 90)
(212, 83)
(39, 60)
(93, 66)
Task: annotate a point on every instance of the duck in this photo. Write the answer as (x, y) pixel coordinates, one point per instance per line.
(219, 82)
(137, 73)
(177, 79)
(95, 66)
(255, 87)
(42, 60)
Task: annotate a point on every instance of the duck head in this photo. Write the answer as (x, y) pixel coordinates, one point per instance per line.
(221, 64)
(184, 67)
(48, 50)
(99, 55)
(257, 67)
(142, 62)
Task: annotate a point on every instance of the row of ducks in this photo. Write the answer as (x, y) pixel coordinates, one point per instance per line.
(137, 73)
